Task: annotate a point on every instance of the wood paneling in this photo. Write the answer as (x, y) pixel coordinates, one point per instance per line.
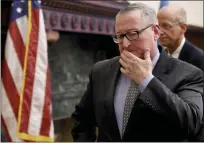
(196, 36)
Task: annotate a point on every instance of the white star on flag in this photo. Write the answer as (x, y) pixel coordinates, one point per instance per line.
(19, 10)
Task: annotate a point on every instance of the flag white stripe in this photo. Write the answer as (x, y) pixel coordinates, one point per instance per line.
(42, 26)
(51, 134)
(39, 86)
(8, 116)
(13, 63)
(22, 24)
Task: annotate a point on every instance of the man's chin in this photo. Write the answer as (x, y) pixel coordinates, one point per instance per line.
(164, 42)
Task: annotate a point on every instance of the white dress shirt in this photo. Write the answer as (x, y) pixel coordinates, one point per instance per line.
(177, 52)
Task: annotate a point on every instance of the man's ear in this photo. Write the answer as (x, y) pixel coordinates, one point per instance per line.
(156, 30)
(183, 28)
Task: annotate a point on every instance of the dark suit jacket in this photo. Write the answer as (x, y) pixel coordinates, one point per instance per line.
(192, 54)
(169, 109)
(195, 56)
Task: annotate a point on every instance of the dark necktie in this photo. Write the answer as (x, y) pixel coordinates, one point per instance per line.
(132, 95)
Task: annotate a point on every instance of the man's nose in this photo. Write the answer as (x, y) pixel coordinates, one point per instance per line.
(161, 30)
(126, 42)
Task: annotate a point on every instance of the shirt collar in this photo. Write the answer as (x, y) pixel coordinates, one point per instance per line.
(177, 52)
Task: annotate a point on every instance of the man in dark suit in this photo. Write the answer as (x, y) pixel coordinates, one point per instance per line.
(142, 95)
(173, 24)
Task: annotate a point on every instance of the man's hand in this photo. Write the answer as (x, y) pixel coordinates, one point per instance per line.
(135, 68)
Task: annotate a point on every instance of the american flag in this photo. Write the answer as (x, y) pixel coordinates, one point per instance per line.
(26, 94)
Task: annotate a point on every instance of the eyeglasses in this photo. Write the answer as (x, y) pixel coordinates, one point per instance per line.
(133, 35)
(166, 26)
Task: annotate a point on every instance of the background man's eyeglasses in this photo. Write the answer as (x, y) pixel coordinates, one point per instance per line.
(166, 26)
(129, 35)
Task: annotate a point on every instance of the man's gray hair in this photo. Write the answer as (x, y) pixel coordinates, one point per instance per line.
(181, 16)
(148, 14)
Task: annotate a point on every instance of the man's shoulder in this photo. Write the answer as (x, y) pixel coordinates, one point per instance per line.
(193, 49)
(102, 65)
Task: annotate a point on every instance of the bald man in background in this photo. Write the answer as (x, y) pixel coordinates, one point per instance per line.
(173, 25)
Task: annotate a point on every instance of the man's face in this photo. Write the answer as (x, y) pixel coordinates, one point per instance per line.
(129, 23)
(170, 29)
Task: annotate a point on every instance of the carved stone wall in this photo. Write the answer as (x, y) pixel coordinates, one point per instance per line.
(70, 60)
(69, 66)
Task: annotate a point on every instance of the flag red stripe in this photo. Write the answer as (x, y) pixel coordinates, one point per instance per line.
(6, 130)
(30, 73)
(10, 88)
(17, 41)
(46, 123)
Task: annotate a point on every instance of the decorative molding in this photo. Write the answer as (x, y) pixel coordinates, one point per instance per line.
(64, 21)
(94, 17)
(97, 8)
(72, 22)
(84, 23)
(53, 19)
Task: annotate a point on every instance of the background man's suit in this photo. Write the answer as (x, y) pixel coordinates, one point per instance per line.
(157, 115)
(192, 55)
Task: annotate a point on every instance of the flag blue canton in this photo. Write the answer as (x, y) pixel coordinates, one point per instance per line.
(163, 3)
(20, 8)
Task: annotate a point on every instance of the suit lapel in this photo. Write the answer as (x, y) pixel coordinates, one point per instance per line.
(112, 77)
(163, 65)
(184, 55)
